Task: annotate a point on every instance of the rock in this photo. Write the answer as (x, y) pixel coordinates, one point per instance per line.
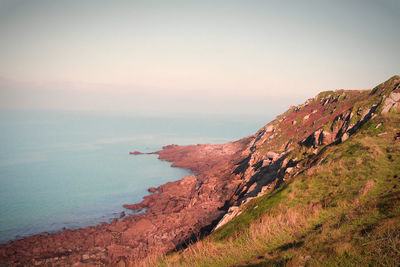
(152, 189)
(325, 138)
(397, 136)
(122, 214)
(85, 257)
(306, 117)
(391, 102)
(247, 200)
(133, 206)
(233, 212)
(143, 225)
(266, 162)
(344, 137)
(255, 157)
(311, 140)
(285, 162)
(136, 153)
(121, 263)
(118, 226)
(387, 105)
(289, 170)
(272, 155)
(395, 96)
(37, 263)
(269, 128)
(264, 189)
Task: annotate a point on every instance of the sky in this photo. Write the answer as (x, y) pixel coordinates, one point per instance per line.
(182, 57)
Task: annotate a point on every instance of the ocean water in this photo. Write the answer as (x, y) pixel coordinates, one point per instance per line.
(73, 169)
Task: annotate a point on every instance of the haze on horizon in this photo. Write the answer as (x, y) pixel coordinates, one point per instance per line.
(225, 57)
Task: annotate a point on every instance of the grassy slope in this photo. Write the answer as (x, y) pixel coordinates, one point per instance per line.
(345, 211)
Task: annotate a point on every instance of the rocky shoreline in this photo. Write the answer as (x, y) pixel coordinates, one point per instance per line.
(226, 177)
(175, 213)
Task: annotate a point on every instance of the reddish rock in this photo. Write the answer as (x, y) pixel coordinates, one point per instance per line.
(152, 189)
(117, 226)
(133, 206)
(136, 153)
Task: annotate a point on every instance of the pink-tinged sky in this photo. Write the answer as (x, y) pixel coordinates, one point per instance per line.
(241, 57)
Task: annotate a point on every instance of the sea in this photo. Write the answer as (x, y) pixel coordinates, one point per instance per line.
(69, 169)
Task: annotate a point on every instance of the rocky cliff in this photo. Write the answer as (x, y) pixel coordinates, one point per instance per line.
(291, 144)
(319, 187)
(226, 177)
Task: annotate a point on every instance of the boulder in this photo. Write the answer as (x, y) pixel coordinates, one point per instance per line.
(272, 155)
(152, 189)
(395, 96)
(345, 136)
(85, 257)
(393, 101)
(289, 170)
(269, 128)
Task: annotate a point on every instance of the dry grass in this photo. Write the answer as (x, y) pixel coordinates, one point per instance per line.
(281, 226)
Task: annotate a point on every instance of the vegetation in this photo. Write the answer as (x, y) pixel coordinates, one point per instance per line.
(341, 205)
(345, 211)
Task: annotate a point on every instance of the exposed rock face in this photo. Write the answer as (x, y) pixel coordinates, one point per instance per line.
(392, 102)
(233, 212)
(225, 178)
(323, 121)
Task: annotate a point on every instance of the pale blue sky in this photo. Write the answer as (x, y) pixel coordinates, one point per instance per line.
(191, 56)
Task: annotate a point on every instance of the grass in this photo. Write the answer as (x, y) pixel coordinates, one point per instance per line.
(250, 214)
(345, 212)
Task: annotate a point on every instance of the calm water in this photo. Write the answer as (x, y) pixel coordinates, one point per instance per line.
(69, 169)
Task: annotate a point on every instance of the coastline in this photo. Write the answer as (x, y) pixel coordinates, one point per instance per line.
(129, 186)
(173, 213)
(227, 176)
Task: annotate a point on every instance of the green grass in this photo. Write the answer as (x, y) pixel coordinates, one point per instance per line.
(250, 213)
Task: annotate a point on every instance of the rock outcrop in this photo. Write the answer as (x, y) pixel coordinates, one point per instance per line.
(323, 121)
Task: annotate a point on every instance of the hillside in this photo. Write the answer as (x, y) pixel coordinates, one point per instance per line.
(319, 185)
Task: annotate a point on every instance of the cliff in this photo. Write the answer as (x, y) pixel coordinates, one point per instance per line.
(320, 187)
(299, 172)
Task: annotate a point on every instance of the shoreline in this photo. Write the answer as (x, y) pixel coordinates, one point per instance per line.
(174, 212)
(114, 215)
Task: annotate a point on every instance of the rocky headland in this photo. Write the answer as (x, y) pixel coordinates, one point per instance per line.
(225, 177)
